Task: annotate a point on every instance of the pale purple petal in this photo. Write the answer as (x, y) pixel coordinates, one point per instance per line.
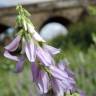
(62, 84)
(9, 56)
(57, 73)
(37, 37)
(14, 44)
(20, 63)
(42, 82)
(35, 71)
(67, 86)
(44, 56)
(40, 78)
(82, 93)
(30, 51)
(56, 86)
(51, 50)
(63, 65)
(69, 82)
(45, 81)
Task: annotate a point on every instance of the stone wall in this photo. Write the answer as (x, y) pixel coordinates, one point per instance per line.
(69, 9)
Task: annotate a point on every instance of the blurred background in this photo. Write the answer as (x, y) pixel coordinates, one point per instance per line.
(66, 24)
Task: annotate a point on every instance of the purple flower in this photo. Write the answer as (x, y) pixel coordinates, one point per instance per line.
(51, 50)
(61, 80)
(13, 45)
(56, 86)
(81, 92)
(29, 47)
(57, 73)
(63, 65)
(30, 50)
(20, 63)
(45, 73)
(44, 57)
(40, 78)
(8, 55)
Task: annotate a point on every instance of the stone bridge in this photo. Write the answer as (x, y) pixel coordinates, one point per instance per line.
(44, 11)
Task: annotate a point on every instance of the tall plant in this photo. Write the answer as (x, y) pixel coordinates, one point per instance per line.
(46, 73)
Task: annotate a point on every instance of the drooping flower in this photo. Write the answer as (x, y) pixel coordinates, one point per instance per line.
(44, 56)
(20, 63)
(56, 87)
(11, 48)
(46, 74)
(63, 65)
(30, 50)
(40, 78)
(14, 44)
(61, 80)
(51, 50)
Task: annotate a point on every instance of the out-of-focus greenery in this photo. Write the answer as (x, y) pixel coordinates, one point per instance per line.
(80, 34)
(92, 10)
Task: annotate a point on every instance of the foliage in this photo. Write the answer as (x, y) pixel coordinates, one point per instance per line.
(92, 10)
(80, 34)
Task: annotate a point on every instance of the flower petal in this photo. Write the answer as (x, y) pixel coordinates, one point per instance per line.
(56, 86)
(51, 50)
(13, 45)
(43, 81)
(9, 56)
(44, 57)
(20, 63)
(30, 51)
(38, 38)
(35, 71)
(63, 65)
(40, 78)
(57, 73)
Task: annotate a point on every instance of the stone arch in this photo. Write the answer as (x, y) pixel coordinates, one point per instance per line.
(57, 19)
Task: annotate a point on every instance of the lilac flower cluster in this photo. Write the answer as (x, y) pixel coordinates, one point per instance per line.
(46, 73)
